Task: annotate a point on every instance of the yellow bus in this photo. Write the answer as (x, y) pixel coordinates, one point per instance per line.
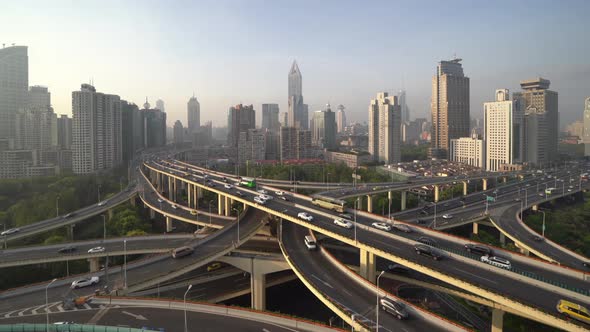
(574, 311)
(328, 203)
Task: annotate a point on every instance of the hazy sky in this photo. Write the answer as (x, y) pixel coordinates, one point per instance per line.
(228, 52)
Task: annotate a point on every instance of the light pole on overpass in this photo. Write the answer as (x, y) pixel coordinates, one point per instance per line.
(543, 227)
(57, 206)
(125, 263)
(185, 324)
(356, 207)
(47, 303)
(377, 305)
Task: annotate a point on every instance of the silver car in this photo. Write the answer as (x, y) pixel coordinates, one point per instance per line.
(343, 223)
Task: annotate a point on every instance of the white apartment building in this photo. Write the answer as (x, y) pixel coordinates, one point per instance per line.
(503, 131)
(385, 137)
(468, 150)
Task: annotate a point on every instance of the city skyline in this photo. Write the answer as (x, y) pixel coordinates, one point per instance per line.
(257, 75)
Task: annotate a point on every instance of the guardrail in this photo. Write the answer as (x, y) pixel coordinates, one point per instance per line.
(214, 309)
(67, 328)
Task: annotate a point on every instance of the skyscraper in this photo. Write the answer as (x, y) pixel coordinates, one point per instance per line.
(323, 132)
(298, 115)
(385, 129)
(340, 118)
(194, 115)
(401, 97)
(38, 97)
(449, 106)
(129, 115)
(96, 127)
(503, 131)
(153, 126)
(586, 135)
(178, 133)
(541, 118)
(160, 105)
(270, 117)
(240, 118)
(14, 85)
(295, 144)
(64, 132)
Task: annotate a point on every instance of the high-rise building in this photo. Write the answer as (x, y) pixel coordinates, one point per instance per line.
(401, 97)
(194, 114)
(323, 129)
(153, 124)
(575, 128)
(160, 105)
(586, 136)
(468, 150)
(385, 129)
(541, 119)
(178, 133)
(341, 118)
(35, 129)
(64, 132)
(504, 132)
(298, 114)
(97, 132)
(38, 97)
(14, 86)
(131, 136)
(295, 144)
(449, 106)
(284, 119)
(239, 118)
(252, 145)
(270, 117)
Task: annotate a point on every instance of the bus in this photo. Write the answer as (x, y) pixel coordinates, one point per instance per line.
(248, 182)
(329, 203)
(549, 191)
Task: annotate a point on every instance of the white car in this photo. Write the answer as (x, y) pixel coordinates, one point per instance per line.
(102, 203)
(265, 197)
(259, 200)
(402, 227)
(96, 250)
(343, 223)
(497, 261)
(305, 216)
(160, 200)
(279, 193)
(228, 186)
(173, 206)
(85, 282)
(447, 216)
(382, 226)
(10, 231)
(262, 191)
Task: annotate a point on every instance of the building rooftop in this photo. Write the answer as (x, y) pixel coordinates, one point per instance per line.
(535, 84)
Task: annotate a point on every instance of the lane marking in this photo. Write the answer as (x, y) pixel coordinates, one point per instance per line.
(475, 275)
(323, 282)
(387, 244)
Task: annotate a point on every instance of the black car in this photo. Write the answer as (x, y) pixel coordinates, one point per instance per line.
(284, 198)
(396, 268)
(67, 250)
(239, 193)
(478, 249)
(424, 212)
(427, 240)
(422, 249)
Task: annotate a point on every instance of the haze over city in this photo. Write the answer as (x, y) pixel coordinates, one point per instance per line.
(229, 52)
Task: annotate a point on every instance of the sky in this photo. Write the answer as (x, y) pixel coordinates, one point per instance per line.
(230, 52)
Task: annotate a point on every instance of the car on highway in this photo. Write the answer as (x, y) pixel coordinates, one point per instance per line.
(228, 186)
(279, 193)
(343, 223)
(262, 191)
(305, 216)
(284, 198)
(538, 238)
(63, 323)
(174, 206)
(10, 231)
(573, 310)
(265, 197)
(428, 240)
(66, 250)
(103, 203)
(422, 249)
(382, 226)
(447, 216)
(96, 250)
(424, 212)
(478, 249)
(194, 212)
(402, 228)
(213, 266)
(259, 200)
(393, 307)
(85, 282)
(69, 215)
(497, 261)
(239, 193)
(182, 251)
(345, 215)
(397, 268)
(160, 200)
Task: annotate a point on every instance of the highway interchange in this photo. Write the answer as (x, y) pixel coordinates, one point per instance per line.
(460, 268)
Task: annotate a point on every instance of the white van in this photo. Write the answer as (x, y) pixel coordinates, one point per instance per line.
(310, 242)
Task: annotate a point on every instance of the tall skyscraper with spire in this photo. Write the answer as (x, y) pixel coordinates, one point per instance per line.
(194, 114)
(298, 116)
(449, 107)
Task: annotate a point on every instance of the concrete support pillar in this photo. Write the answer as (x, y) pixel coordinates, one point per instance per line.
(404, 197)
(436, 193)
(367, 268)
(524, 251)
(152, 214)
(220, 203)
(70, 229)
(258, 290)
(485, 184)
(497, 320)
(189, 194)
(369, 204)
(227, 206)
(110, 213)
(168, 224)
(502, 239)
(94, 264)
(132, 200)
(196, 196)
(475, 228)
(199, 191)
(175, 189)
(170, 197)
(464, 188)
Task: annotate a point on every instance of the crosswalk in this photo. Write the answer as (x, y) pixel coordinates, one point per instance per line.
(54, 307)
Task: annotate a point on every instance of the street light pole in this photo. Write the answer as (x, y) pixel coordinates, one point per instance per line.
(543, 229)
(57, 206)
(104, 227)
(98, 189)
(434, 221)
(377, 305)
(125, 263)
(47, 303)
(185, 324)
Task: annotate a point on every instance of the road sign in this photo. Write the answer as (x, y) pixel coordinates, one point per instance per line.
(490, 198)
